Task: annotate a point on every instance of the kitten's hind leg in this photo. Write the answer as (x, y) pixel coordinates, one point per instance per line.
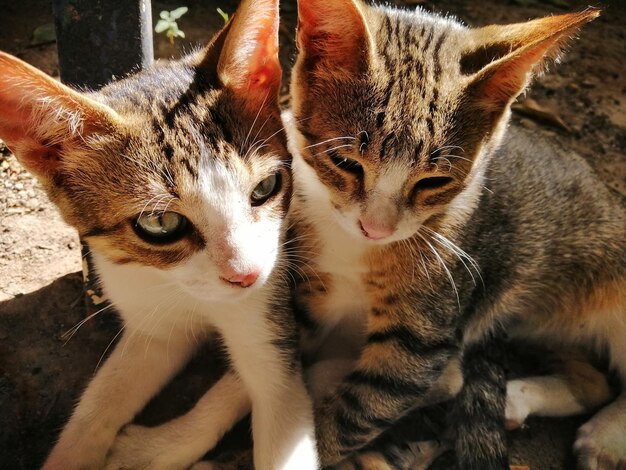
(601, 442)
(579, 388)
(408, 456)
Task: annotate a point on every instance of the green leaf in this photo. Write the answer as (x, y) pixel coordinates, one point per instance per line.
(43, 34)
(223, 14)
(180, 33)
(165, 15)
(161, 26)
(180, 11)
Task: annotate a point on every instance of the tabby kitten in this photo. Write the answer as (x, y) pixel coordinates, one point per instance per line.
(429, 230)
(180, 183)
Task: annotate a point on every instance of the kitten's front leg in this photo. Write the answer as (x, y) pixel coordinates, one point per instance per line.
(179, 443)
(282, 414)
(389, 380)
(137, 368)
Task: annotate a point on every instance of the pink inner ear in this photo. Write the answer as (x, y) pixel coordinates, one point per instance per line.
(264, 65)
(511, 77)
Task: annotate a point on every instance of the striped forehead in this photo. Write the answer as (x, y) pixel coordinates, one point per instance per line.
(414, 54)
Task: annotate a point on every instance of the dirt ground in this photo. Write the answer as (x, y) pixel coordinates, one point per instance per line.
(42, 373)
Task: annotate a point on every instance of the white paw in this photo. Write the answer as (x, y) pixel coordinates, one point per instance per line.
(601, 442)
(517, 408)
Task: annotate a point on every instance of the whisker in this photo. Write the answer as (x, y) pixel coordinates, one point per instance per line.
(447, 271)
(255, 119)
(457, 157)
(108, 347)
(329, 140)
(333, 149)
(446, 147)
(72, 331)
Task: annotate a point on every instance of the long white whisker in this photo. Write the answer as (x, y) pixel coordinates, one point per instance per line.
(108, 346)
(332, 149)
(447, 271)
(329, 140)
(245, 142)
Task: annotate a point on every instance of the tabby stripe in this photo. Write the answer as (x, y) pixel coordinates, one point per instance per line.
(437, 67)
(441, 197)
(312, 138)
(350, 441)
(352, 401)
(409, 341)
(385, 144)
(380, 118)
(391, 456)
(429, 39)
(348, 425)
(168, 151)
(431, 126)
(190, 169)
(418, 151)
(389, 385)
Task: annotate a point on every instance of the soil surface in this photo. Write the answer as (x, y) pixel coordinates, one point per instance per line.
(42, 373)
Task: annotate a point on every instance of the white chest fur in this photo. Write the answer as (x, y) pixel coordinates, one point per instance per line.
(341, 261)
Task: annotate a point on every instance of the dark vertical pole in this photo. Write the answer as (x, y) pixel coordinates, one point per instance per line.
(102, 39)
(99, 40)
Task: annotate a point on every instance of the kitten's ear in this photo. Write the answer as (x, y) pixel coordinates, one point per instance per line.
(333, 36)
(39, 116)
(505, 58)
(248, 61)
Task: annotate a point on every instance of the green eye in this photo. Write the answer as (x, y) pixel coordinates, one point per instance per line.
(266, 189)
(162, 228)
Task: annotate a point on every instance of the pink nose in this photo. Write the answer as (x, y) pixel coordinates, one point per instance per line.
(374, 232)
(242, 279)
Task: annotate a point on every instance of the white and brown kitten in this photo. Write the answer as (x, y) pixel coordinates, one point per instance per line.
(179, 181)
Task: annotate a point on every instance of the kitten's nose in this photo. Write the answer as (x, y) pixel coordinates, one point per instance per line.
(375, 232)
(241, 279)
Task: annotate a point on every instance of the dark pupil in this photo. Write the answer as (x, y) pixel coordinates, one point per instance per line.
(347, 164)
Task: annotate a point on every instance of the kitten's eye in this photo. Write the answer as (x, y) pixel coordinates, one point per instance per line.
(266, 189)
(347, 164)
(163, 228)
(434, 182)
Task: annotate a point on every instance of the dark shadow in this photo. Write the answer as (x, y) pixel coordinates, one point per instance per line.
(42, 375)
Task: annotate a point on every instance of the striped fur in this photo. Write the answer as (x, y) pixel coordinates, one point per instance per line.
(198, 138)
(423, 227)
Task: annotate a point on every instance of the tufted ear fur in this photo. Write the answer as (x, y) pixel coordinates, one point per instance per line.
(333, 36)
(504, 59)
(40, 117)
(248, 61)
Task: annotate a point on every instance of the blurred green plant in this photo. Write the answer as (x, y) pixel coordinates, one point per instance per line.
(223, 14)
(167, 23)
